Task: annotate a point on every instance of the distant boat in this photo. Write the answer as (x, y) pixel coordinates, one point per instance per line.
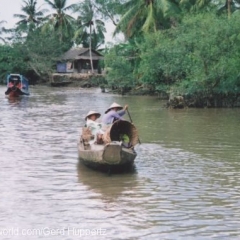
(17, 85)
(113, 154)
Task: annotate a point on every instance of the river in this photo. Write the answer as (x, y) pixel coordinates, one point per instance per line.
(186, 183)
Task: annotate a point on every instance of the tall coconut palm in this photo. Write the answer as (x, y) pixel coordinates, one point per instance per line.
(32, 16)
(60, 21)
(146, 16)
(90, 28)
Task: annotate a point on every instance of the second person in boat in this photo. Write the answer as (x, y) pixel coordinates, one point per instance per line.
(94, 126)
(113, 113)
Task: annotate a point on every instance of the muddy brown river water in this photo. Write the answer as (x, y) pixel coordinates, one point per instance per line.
(186, 183)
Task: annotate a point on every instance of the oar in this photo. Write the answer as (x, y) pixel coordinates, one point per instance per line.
(129, 116)
(131, 122)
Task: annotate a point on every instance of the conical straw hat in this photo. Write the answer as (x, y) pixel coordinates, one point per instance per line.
(114, 105)
(92, 113)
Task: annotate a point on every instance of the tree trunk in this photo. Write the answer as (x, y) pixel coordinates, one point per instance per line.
(90, 48)
(229, 3)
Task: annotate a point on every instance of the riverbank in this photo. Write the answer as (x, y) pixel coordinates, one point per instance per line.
(173, 101)
(201, 100)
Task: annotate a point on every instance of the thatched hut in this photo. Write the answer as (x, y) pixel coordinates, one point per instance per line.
(77, 60)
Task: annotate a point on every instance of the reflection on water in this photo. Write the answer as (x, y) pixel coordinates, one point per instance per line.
(110, 187)
(186, 183)
(17, 101)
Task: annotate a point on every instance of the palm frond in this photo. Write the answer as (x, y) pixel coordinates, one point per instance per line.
(52, 4)
(20, 16)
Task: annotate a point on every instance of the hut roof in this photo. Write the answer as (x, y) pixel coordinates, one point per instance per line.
(80, 53)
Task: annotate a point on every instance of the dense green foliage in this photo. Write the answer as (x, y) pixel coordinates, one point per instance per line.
(197, 58)
(120, 64)
(12, 60)
(35, 57)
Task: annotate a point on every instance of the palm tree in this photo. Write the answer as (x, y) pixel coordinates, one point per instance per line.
(90, 27)
(61, 22)
(31, 16)
(146, 16)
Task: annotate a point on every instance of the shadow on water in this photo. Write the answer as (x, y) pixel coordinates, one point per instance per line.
(109, 186)
(18, 101)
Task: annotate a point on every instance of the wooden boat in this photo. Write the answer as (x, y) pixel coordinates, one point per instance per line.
(17, 85)
(112, 155)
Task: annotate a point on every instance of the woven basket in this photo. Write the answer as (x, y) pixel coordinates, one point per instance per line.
(113, 132)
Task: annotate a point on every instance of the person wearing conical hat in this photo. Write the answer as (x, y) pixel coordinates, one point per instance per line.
(93, 125)
(113, 113)
(92, 115)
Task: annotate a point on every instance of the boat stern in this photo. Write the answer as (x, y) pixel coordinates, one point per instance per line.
(115, 153)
